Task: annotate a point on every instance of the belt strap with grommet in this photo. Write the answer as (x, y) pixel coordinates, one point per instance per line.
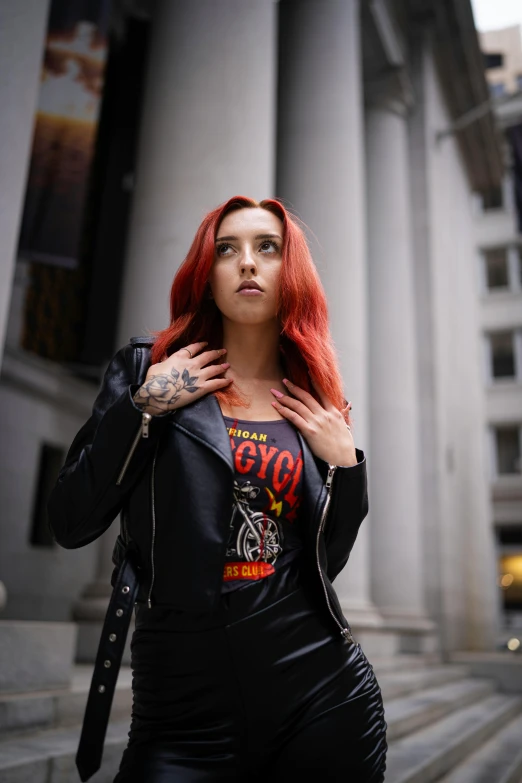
(106, 668)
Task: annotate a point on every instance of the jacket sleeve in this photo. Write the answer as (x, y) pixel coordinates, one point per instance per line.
(86, 497)
(348, 508)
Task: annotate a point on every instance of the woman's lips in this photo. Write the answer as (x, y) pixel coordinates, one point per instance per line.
(249, 292)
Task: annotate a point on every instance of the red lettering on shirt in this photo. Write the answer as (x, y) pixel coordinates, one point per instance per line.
(244, 467)
(290, 497)
(278, 482)
(292, 515)
(266, 456)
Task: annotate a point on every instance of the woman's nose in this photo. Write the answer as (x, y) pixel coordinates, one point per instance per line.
(248, 262)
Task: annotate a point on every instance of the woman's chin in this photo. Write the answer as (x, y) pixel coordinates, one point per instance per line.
(250, 318)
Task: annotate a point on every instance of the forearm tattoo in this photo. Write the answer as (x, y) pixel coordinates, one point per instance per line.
(163, 391)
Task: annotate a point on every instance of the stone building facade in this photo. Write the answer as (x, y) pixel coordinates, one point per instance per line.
(345, 109)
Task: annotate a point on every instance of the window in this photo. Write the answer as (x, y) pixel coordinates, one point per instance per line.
(503, 355)
(51, 460)
(492, 199)
(510, 535)
(497, 275)
(508, 450)
(493, 60)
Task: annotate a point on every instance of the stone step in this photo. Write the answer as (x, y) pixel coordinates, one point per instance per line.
(24, 712)
(36, 655)
(428, 754)
(400, 683)
(461, 715)
(48, 756)
(504, 667)
(404, 662)
(413, 712)
(498, 761)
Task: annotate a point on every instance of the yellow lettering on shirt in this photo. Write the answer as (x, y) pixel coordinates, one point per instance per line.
(256, 570)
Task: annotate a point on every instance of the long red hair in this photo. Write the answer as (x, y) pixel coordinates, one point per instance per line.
(306, 345)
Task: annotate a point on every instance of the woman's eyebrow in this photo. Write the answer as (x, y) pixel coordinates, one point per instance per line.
(257, 236)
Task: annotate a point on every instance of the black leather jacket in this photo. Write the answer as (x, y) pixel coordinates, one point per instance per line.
(171, 477)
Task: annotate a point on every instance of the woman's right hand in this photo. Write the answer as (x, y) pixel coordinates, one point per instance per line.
(181, 379)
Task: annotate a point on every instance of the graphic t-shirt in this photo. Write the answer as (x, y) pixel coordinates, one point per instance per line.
(264, 525)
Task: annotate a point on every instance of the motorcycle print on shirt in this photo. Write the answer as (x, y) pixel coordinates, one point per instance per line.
(266, 496)
(259, 537)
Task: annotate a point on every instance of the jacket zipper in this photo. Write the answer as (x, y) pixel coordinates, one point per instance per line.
(153, 541)
(345, 632)
(143, 432)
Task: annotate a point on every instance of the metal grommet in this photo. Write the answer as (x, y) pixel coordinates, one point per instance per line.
(112, 637)
(107, 664)
(119, 612)
(101, 688)
(125, 589)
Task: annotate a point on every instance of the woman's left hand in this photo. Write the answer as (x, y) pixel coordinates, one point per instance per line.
(323, 426)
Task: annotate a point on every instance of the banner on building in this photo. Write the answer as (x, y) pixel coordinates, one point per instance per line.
(65, 131)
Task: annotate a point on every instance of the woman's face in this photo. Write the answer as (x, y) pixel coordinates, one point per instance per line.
(244, 278)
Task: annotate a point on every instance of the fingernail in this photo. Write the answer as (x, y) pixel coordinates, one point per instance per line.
(285, 380)
(277, 393)
(226, 364)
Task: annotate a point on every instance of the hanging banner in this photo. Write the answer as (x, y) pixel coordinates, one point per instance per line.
(65, 131)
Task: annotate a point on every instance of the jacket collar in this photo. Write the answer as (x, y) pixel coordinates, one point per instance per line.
(204, 421)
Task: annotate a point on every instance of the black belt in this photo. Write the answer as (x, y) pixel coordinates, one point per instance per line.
(106, 668)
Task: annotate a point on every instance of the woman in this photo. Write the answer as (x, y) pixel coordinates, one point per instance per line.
(226, 445)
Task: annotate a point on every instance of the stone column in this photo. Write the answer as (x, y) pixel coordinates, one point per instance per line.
(320, 175)
(396, 546)
(208, 133)
(22, 32)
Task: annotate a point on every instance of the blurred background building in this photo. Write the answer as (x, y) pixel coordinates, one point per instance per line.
(499, 227)
(121, 125)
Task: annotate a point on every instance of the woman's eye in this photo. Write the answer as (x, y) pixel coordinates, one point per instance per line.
(274, 245)
(267, 246)
(221, 247)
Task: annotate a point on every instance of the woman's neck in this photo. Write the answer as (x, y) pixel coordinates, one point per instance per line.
(253, 351)
(255, 366)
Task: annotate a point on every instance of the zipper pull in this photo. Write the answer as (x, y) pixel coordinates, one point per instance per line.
(145, 420)
(149, 603)
(329, 477)
(347, 635)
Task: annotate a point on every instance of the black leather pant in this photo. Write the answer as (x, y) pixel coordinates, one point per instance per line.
(264, 686)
